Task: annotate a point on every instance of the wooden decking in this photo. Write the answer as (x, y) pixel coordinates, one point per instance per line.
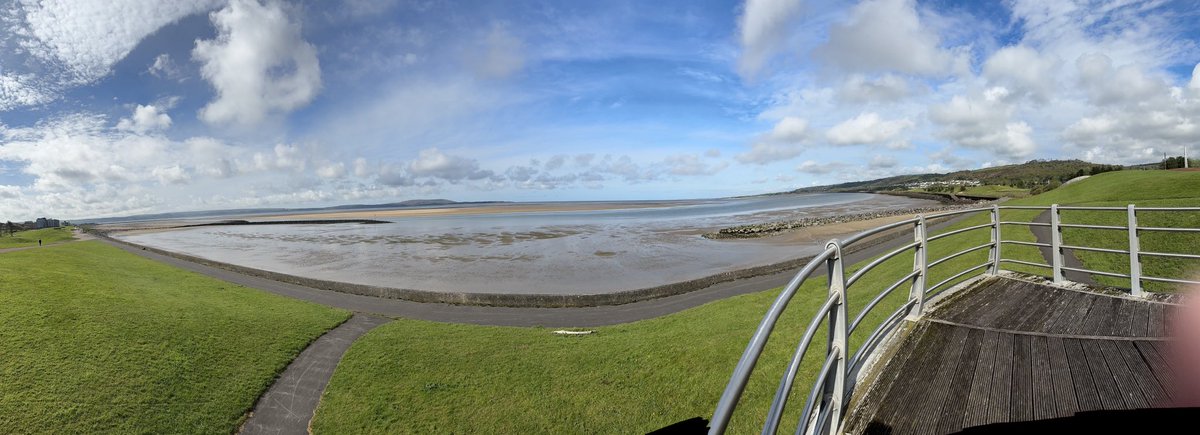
(1006, 350)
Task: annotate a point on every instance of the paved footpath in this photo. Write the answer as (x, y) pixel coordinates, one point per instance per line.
(288, 406)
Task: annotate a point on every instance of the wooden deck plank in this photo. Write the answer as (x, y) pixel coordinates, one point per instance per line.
(1162, 371)
(1140, 320)
(941, 384)
(1068, 319)
(1020, 408)
(1122, 323)
(1142, 373)
(1106, 384)
(1044, 403)
(955, 405)
(906, 389)
(1127, 383)
(981, 383)
(926, 383)
(1157, 325)
(962, 304)
(1035, 311)
(1001, 394)
(1099, 317)
(1065, 400)
(1078, 380)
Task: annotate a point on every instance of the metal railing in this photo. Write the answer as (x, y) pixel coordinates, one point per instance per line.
(835, 382)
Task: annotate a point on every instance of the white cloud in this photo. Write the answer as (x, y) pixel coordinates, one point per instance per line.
(433, 163)
(764, 24)
(880, 161)
(819, 168)
(17, 90)
(1023, 70)
(164, 67)
(145, 118)
(885, 36)
(692, 165)
(258, 64)
(89, 37)
(984, 122)
(866, 128)
(857, 88)
(785, 141)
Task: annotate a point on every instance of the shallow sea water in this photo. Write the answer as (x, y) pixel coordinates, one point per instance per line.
(562, 252)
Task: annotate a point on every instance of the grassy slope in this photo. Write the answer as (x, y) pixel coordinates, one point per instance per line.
(996, 191)
(97, 340)
(430, 377)
(31, 237)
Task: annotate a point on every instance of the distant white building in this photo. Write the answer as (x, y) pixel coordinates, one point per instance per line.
(928, 184)
(45, 223)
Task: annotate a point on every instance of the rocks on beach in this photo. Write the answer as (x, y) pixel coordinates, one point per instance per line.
(773, 228)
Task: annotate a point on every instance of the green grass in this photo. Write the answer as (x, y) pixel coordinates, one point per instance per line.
(416, 376)
(996, 191)
(97, 340)
(30, 237)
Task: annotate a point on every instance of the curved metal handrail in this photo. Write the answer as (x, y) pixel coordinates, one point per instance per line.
(839, 389)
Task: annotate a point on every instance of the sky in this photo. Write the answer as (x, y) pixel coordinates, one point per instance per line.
(121, 107)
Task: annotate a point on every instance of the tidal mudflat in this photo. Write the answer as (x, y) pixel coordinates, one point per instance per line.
(557, 248)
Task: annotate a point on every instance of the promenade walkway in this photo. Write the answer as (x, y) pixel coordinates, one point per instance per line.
(1007, 350)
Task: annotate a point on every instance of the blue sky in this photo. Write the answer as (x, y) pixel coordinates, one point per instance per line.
(127, 106)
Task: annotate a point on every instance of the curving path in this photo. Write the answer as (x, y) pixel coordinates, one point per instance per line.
(1043, 236)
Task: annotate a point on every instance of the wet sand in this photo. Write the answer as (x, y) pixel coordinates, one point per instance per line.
(471, 210)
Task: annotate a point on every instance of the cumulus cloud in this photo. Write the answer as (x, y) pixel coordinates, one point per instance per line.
(984, 122)
(885, 36)
(1023, 70)
(691, 164)
(433, 163)
(764, 24)
(858, 88)
(145, 118)
(258, 64)
(866, 128)
(783, 142)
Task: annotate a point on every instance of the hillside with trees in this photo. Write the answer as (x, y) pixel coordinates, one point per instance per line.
(1033, 175)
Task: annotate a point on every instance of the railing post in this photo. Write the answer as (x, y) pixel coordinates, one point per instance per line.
(1135, 262)
(917, 292)
(995, 254)
(1056, 253)
(836, 395)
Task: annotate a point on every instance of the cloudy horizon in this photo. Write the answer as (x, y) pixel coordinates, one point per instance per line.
(129, 107)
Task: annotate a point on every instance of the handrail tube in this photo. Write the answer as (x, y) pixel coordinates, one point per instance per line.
(812, 395)
(1174, 229)
(860, 272)
(956, 276)
(1027, 263)
(822, 420)
(952, 213)
(785, 384)
(1170, 254)
(1086, 248)
(875, 230)
(959, 253)
(960, 230)
(1171, 280)
(1168, 208)
(1067, 207)
(1097, 272)
(1018, 242)
(863, 314)
(1032, 224)
(741, 373)
(876, 334)
(1093, 227)
(1024, 207)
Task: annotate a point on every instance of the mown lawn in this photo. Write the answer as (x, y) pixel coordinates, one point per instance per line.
(97, 340)
(416, 376)
(30, 238)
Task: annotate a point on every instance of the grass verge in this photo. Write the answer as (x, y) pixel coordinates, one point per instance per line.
(21, 239)
(97, 340)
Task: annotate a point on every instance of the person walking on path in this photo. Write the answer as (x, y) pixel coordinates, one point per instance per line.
(39, 242)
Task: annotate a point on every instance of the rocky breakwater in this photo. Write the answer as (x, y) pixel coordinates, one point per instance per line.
(773, 228)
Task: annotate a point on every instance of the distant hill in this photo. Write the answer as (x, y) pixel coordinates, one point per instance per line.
(1024, 175)
(255, 211)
